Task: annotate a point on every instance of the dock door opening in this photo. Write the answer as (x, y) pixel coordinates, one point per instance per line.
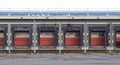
(117, 39)
(116, 29)
(97, 38)
(21, 38)
(72, 38)
(73, 35)
(47, 38)
(1, 38)
(47, 35)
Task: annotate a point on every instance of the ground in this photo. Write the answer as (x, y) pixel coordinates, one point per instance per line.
(55, 59)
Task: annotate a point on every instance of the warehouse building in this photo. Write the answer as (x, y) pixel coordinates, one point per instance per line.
(59, 30)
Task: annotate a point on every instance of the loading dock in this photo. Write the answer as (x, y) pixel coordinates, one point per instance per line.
(22, 36)
(59, 31)
(3, 36)
(48, 36)
(117, 39)
(116, 29)
(98, 36)
(73, 36)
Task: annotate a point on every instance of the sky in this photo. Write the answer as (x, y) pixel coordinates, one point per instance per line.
(60, 4)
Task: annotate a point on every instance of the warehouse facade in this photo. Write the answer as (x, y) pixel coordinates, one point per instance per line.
(59, 31)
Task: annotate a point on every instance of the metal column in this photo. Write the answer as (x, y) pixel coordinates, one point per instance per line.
(9, 47)
(111, 34)
(60, 39)
(85, 41)
(34, 45)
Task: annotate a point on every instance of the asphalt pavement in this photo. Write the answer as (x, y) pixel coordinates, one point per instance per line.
(55, 59)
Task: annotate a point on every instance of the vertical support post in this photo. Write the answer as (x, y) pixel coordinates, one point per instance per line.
(60, 41)
(9, 48)
(34, 46)
(111, 37)
(85, 48)
(111, 34)
(34, 33)
(86, 34)
(60, 35)
(9, 34)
